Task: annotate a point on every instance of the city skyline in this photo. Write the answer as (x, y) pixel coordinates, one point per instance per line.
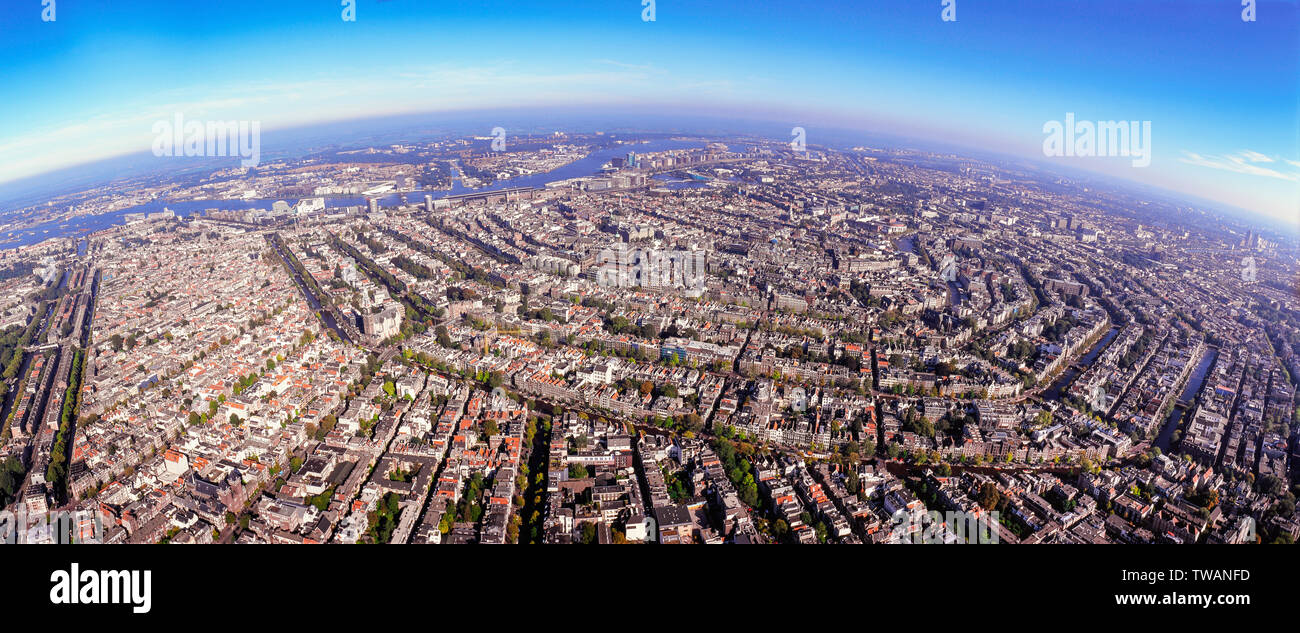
(435, 273)
(643, 338)
(97, 78)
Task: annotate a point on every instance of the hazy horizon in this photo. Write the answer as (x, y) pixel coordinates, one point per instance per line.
(95, 80)
(405, 128)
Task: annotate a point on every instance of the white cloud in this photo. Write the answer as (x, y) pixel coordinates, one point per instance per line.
(1254, 157)
(1242, 162)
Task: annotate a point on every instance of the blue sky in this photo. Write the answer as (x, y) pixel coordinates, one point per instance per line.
(1221, 93)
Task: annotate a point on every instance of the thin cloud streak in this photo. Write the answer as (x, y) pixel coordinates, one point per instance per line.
(1242, 162)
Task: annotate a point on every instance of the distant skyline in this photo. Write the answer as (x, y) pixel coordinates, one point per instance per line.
(1221, 94)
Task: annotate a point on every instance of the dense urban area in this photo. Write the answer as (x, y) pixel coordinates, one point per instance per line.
(727, 342)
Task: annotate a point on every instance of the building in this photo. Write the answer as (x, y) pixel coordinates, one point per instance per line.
(674, 524)
(382, 324)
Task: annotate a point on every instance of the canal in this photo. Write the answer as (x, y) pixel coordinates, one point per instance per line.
(326, 314)
(905, 244)
(1194, 382)
(1054, 392)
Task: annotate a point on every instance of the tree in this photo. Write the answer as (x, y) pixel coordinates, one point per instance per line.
(1044, 418)
(11, 478)
(693, 422)
(781, 528)
(989, 497)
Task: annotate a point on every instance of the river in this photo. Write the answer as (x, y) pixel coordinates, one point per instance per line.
(587, 166)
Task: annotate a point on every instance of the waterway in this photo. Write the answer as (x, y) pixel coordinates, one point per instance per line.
(1054, 392)
(1194, 382)
(326, 315)
(588, 166)
(11, 399)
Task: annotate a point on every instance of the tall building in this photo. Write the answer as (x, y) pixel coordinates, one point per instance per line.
(374, 205)
(428, 204)
(381, 325)
(310, 205)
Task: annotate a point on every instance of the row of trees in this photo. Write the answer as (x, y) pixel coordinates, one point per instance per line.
(14, 339)
(394, 284)
(461, 267)
(419, 271)
(57, 472)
